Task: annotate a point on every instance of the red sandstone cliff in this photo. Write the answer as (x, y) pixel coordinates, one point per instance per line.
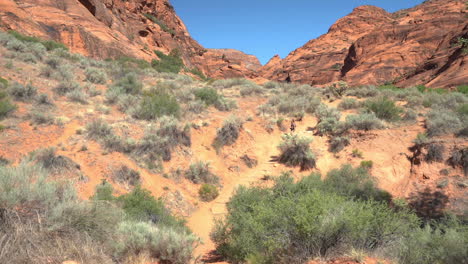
(112, 28)
(371, 46)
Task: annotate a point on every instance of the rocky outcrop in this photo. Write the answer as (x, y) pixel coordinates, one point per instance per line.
(113, 28)
(370, 46)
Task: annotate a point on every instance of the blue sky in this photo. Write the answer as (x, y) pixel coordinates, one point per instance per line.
(267, 27)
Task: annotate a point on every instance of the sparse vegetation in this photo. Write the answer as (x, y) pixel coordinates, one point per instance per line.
(95, 75)
(157, 103)
(349, 103)
(384, 108)
(168, 63)
(365, 121)
(126, 175)
(22, 92)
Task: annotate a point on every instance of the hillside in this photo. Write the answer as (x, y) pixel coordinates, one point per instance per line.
(82, 139)
(116, 28)
(372, 47)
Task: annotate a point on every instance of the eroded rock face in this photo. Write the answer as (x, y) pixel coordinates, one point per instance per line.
(371, 46)
(113, 28)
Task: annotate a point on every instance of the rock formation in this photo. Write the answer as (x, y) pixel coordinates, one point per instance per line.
(371, 46)
(113, 28)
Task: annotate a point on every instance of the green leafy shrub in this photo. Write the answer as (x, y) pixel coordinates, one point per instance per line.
(208, 95)
(48, 44)
(200, 172)
(157, 103)
(168, 63)
(195, 71)
(208, 192)
(463, 89)
(295, 151)
(316, 219)
(367, 164)
(384, 108)
(224, 104)
(129, 84)
(365, 121)
(98, 129)
(6, 107)
(229, 133)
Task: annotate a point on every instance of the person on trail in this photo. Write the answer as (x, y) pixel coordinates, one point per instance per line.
(293, 126)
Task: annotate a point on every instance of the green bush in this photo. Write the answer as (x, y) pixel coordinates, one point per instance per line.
(161, 24)
(463, 89)
(295, 222)
(384, 108)
(361, 92)
(224, 104)
(337, 144)
(129, 84)
(208, 192)
(208, 95)
(251, 89)
(157, 103)
(365, 121)
(48, 44)
(40, 118)
(228, 134)
(295, 151)
(200, 172)
(78, 96)
(6, 107)
(195, 71)
(168, 63)
(367, 164)
(66, 87)
(98, 129)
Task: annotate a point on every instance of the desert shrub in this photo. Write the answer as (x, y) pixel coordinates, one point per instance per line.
(296, 104)
(200, 172)
(3, 83)
(367, 164)
(249, 161)
(435, 152)
(22, 92)
(140, 205)
(16, 46)
(410, 115)
(49, 160)
(114, 142)
(40, 118)
(66, 87)
(159, 242)
(295, 151)
(208, 192)
(295, 222)
(337, 144)
(328, 126)
(208, 95)
(160, 23)
(459, 159)
(61, 73)
(196, 106)
(384, 108)
(168, 63)
(365, 121)
(324, 112)
(435, 243)
(6, 107)
(361, 92)
(125, 102)
(78, 96)
(126, 175)
(421, 139)
(157, 103)
(48, 44)
(355, 182)
(463, 89)
(357, 153)
(251, 89)
(224, 104)
(195, 71)
(271, 85)
(229, 133)
(228, 83)
(98, 129)
(441, 121)
(44, 99)
(95, 75)
(176, 134)
(128, 84)
(348, 103)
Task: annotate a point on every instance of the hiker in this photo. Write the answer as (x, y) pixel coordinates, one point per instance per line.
(293, 125)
